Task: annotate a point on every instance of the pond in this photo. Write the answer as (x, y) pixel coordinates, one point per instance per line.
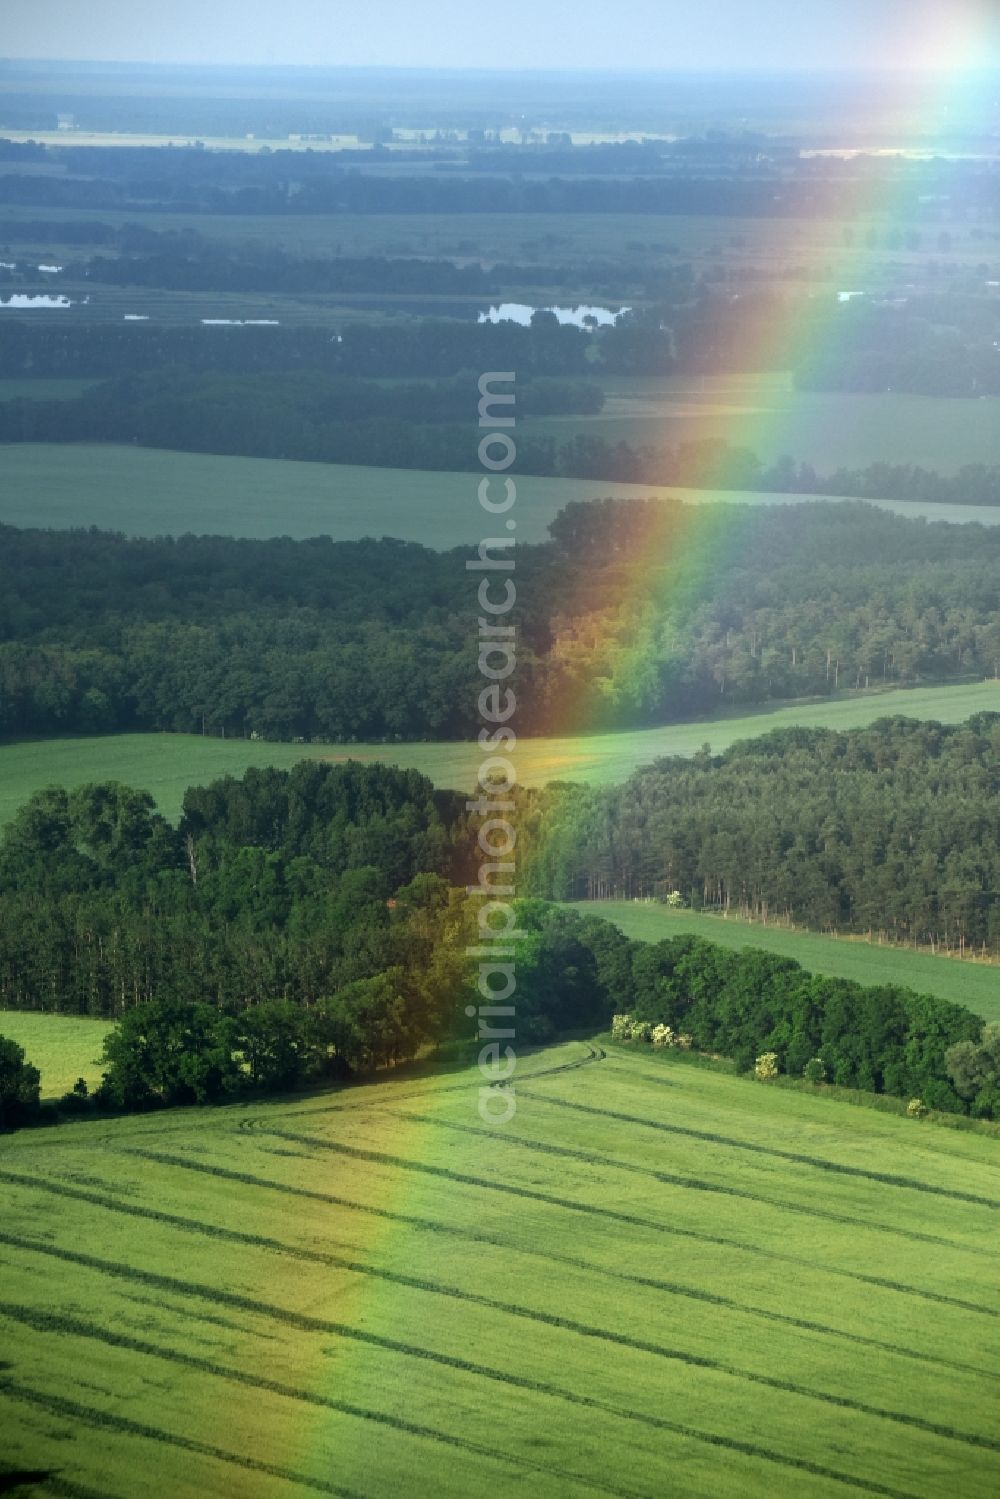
(23, 300)
(520, 312)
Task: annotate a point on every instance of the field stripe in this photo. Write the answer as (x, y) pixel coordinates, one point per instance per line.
(94, 1417)
(695, 1184)
(820, 1163)
(306, 1323)
(66, 1488)
(632, 1220)
(586, 1330)
(477, 1236)
(50, 1322)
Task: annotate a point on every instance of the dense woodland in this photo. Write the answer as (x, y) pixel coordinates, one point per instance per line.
(684, 610)
(893, 829)
(303, 925)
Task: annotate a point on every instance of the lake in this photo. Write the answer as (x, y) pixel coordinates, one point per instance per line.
(579, 317)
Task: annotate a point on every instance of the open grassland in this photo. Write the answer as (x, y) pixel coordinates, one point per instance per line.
(655, 1279)
(766, 414)
(973, 984)
(166, 764)
(151, 492)
(62, 1047)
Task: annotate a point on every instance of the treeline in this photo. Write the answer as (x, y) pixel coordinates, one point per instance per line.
(574, 972)
(189, 259)
(938, 346)
(305, 416)
(297, 183)
(274, 271)
(336, 418)
(893, 829)
(684, 609)
(428, 347)
(741, 1005)
(283, 886)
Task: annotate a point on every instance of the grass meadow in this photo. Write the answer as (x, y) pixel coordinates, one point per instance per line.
(153, 492)
(62, 1047)
(166, 764)
(965, 982)
(657, 1278)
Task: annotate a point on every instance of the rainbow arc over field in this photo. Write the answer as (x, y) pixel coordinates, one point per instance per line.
(960, 45)
(676, 554)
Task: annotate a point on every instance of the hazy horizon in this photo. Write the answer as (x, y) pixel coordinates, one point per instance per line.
(637, 36)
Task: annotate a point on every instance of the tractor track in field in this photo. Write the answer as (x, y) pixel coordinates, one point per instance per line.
(307, 1323)
(697, 1184)
(818, 1163)
(588, 1330)
(614, 1215)
(589, 1267)
(42, 1321)
(97, 1419)
(594, 1054)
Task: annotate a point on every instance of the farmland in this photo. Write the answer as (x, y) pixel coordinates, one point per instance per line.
(150, 492)
(166, 764)
(766, 414)
(655, 1276)
(973, 984)
(62, 1047)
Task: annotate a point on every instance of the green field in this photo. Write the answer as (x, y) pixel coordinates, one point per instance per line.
(767, 415)
(62, 1047)
(151, 492)
(166, 764)
(657, 1279)
(973, 984)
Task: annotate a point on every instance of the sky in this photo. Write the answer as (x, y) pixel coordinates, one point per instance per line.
(624, 34)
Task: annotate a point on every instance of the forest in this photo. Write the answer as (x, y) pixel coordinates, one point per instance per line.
(305, 925)
(686, 609)
(892, 830)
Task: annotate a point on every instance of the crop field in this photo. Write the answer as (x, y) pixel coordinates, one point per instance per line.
(656, 1278)
(767, 415)
(152, 492)
(973, 984)
(62, 1047)
(166, 764)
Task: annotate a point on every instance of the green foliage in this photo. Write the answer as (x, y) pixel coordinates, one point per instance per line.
(974, 1069)
(19, 1086)
(686, 611)
(887, 829)
(815, 1070)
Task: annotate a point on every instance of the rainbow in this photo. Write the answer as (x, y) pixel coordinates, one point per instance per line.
(612, 639)
(682, 547)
